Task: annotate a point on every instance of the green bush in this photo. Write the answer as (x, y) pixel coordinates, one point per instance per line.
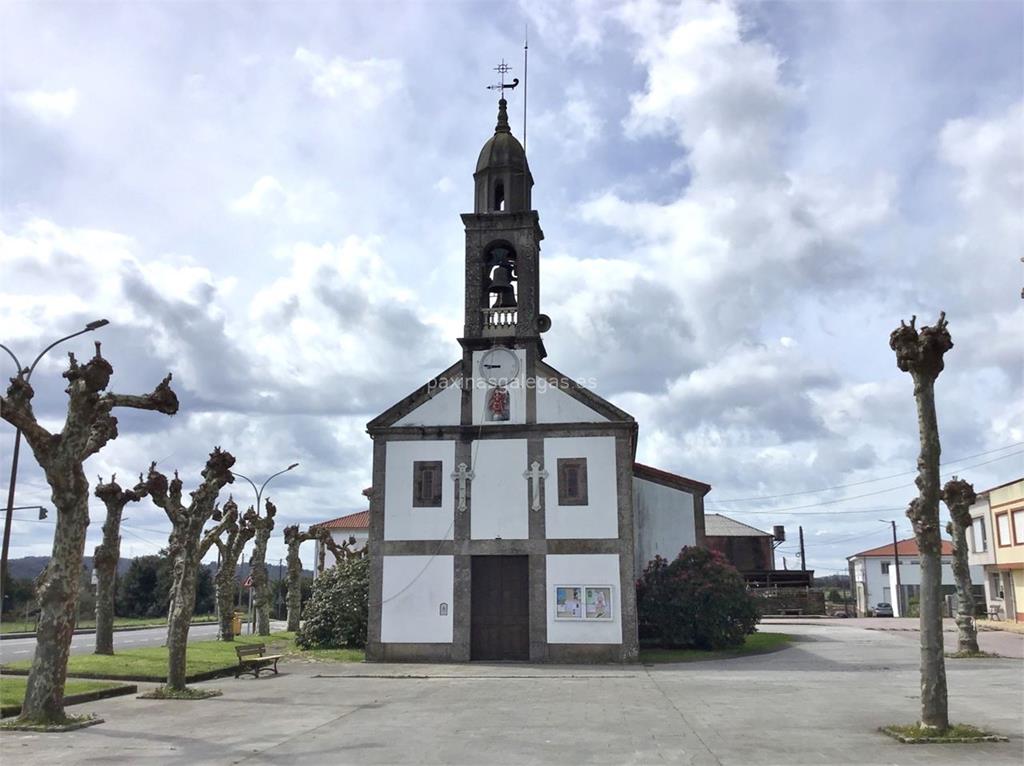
(337, 611)
(697, 601)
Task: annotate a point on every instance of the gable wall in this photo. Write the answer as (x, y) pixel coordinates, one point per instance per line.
(663, 519)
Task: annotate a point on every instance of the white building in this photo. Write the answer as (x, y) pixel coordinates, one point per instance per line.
(508, 520)
(873, 574)
(996, 545)
(342, 529)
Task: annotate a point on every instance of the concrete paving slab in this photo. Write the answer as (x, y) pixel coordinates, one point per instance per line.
(819, 702)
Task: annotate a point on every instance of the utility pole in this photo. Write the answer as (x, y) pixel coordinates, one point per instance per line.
(896, 557)
(803, 561)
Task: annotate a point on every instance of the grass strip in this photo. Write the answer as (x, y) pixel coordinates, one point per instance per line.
(960, 733)
(205, 659)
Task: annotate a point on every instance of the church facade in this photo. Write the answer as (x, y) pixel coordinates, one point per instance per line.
(503, 519)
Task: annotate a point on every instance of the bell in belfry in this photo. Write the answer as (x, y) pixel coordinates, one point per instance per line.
(501, 286)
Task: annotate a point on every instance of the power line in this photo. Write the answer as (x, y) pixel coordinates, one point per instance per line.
(880, 478)
(867, 494)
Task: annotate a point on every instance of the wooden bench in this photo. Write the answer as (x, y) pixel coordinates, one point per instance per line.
(252, 659)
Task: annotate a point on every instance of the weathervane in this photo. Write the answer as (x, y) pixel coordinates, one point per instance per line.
(502, 69)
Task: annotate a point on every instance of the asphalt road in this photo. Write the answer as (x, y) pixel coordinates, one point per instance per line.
(15, 649)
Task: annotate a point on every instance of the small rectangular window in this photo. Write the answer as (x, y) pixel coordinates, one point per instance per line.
(1003, 529)
(426, 484)
(885, 567)
(978, 535)
(1018, 526)
(572, 481)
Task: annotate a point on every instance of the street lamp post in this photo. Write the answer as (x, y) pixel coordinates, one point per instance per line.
(259, 494)
(26, 373)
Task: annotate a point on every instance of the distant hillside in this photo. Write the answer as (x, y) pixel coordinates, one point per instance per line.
(29, 567)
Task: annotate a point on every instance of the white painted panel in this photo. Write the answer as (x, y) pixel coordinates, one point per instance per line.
(600, 518)
(556, 406)
(339, 536)
(401, 520)
(663, 521)
(516, 390)
(584, 569)
(499, 504)
(414, 589)
(444, 408)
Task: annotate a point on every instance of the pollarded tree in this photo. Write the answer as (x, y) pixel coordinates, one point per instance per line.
(921, 354)
(88, 426)
(959, 496)
(293, 538)
(187, 546)
(258, 568)
(238, 532)
(107, 554)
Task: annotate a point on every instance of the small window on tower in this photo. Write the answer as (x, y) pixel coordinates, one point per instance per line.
(499, 196)
(572, 481)
(426, 484)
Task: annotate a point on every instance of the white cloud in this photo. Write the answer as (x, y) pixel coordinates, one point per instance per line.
(269, 199)
(368, 81)
(46, 105)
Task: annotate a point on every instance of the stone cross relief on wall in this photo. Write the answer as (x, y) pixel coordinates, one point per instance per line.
(462, 475)
(534, 475)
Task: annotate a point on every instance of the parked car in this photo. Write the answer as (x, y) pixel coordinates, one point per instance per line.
(883, 610)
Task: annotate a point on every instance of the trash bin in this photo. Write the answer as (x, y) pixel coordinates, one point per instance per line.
(236, 624)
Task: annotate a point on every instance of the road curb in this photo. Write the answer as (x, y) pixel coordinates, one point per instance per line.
(92, 631)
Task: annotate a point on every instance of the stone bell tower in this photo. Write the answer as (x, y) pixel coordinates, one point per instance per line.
(503, 238)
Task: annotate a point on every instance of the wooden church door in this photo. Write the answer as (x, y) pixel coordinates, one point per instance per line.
(500, 618)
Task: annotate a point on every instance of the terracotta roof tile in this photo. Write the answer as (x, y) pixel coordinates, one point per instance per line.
(906, 547)
(358, 520)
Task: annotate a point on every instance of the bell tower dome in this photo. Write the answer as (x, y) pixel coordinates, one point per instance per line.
(503, 180)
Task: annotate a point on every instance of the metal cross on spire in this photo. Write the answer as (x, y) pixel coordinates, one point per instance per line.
(502, 69)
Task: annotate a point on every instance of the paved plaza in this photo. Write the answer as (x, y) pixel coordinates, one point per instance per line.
(818, 702)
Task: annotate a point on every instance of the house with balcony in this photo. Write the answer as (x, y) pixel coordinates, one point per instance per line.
(996, 547)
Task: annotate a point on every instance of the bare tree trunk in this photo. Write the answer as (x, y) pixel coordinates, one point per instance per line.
(57, 590)
(187, 547)
(106, 556)
(237, 535)
(921, 354)
(959, 496)
(258, 569)
(88, 427)
(293, 539)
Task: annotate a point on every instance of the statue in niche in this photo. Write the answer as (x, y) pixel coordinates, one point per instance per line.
(498, 404)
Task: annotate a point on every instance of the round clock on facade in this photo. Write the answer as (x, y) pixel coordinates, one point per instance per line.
(499, 366)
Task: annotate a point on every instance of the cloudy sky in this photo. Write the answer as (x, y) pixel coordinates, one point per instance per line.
(740, 201)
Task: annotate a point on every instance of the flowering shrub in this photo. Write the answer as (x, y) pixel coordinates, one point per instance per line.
(697, 601)
(337, 612)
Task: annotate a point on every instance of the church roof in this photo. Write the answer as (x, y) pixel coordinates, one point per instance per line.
(717, 525)
(357, 520)
(641, 471)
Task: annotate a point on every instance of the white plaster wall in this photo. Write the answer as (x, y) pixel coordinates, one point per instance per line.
(598, 519)
(401, 520)
(444, 408)
(339, 536)
(414, 588)
(499, 501)
(516, 391)
(584, 569)
(556, 406)
(664, 521)
(910, 574)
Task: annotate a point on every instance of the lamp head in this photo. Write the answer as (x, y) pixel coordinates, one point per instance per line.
(293, 465)
(97, 324)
